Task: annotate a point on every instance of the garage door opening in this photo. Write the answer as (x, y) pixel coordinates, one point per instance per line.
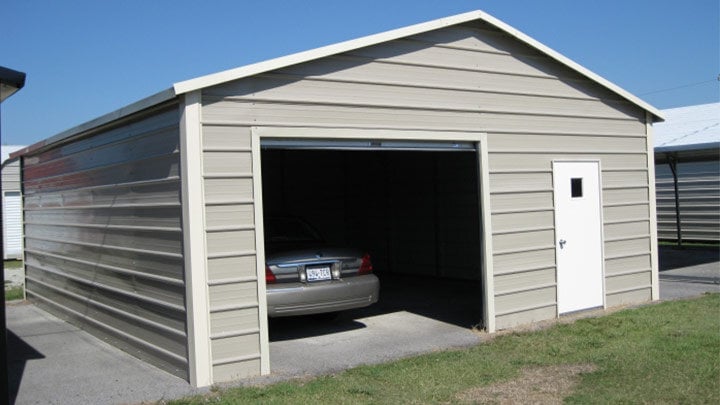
(415, 209)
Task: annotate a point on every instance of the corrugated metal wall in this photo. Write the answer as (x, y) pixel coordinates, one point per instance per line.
(462, 78)
(103, 236)
(699, 193)
(12, 210)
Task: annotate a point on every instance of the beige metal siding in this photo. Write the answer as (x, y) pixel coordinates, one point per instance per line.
(230, 240)
(469, 78)
(699, 192)
(103, 236)
(11, 175)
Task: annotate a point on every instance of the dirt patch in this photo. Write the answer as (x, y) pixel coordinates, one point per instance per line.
(537, 385)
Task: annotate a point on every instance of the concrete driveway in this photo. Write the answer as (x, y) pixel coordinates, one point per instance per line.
(688, 272)
(54, 362)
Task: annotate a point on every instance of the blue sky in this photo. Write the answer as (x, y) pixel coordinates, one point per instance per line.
(87, 58)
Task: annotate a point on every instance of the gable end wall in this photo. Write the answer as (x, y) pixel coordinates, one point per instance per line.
(469, 78)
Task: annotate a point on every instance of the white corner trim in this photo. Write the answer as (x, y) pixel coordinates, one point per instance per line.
(260, 252)
(488, 274)
(196, 288)
(652, 200)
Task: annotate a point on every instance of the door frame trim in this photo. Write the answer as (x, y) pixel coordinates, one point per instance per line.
(481, 151)
(602, 230)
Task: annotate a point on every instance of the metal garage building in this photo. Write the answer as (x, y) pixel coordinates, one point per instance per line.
(687, 158)
(472, 150)
(11, 204)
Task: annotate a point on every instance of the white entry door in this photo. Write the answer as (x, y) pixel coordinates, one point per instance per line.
(578, 234)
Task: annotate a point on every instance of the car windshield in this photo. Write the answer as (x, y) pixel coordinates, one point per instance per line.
(290, 230)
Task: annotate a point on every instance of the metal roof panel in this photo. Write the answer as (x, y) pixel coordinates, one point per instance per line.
(690, 125)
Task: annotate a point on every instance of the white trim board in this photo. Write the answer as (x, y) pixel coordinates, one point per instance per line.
(652, 200)
(260, 254)
(196, 289)
(486, 234)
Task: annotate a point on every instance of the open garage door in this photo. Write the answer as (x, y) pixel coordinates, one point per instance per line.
(413, 200)
(412, 205)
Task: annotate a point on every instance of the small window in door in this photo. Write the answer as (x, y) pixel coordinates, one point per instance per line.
(576, 190)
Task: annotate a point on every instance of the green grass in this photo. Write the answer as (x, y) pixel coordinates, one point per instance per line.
(664, 353)
(14, 293)
(13, 264)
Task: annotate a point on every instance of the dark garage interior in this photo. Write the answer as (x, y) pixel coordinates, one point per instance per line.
(415, 211)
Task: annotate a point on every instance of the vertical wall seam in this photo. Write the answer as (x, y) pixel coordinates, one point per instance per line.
(200, 370)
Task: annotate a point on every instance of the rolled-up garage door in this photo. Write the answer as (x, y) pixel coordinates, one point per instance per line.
(364, 144)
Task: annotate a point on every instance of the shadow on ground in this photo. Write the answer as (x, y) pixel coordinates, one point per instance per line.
(456, 302)
(672, 257)
(18, 354)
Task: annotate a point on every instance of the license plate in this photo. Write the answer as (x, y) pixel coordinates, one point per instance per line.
(320, 273)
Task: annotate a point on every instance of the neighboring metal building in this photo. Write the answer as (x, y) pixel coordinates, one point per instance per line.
(687, 159)
(12, 204)
(455, 148)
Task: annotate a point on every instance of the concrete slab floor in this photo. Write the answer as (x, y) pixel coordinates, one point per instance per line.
(369, 340)
(54, 362)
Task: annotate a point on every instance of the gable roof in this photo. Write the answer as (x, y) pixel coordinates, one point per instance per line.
(306, 56)
(347, 46)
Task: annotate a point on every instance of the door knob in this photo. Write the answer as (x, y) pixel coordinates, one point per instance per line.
(562, 243)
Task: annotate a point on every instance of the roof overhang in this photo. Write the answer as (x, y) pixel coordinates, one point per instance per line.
(10, 82)
(700, 152)
(136, 107)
